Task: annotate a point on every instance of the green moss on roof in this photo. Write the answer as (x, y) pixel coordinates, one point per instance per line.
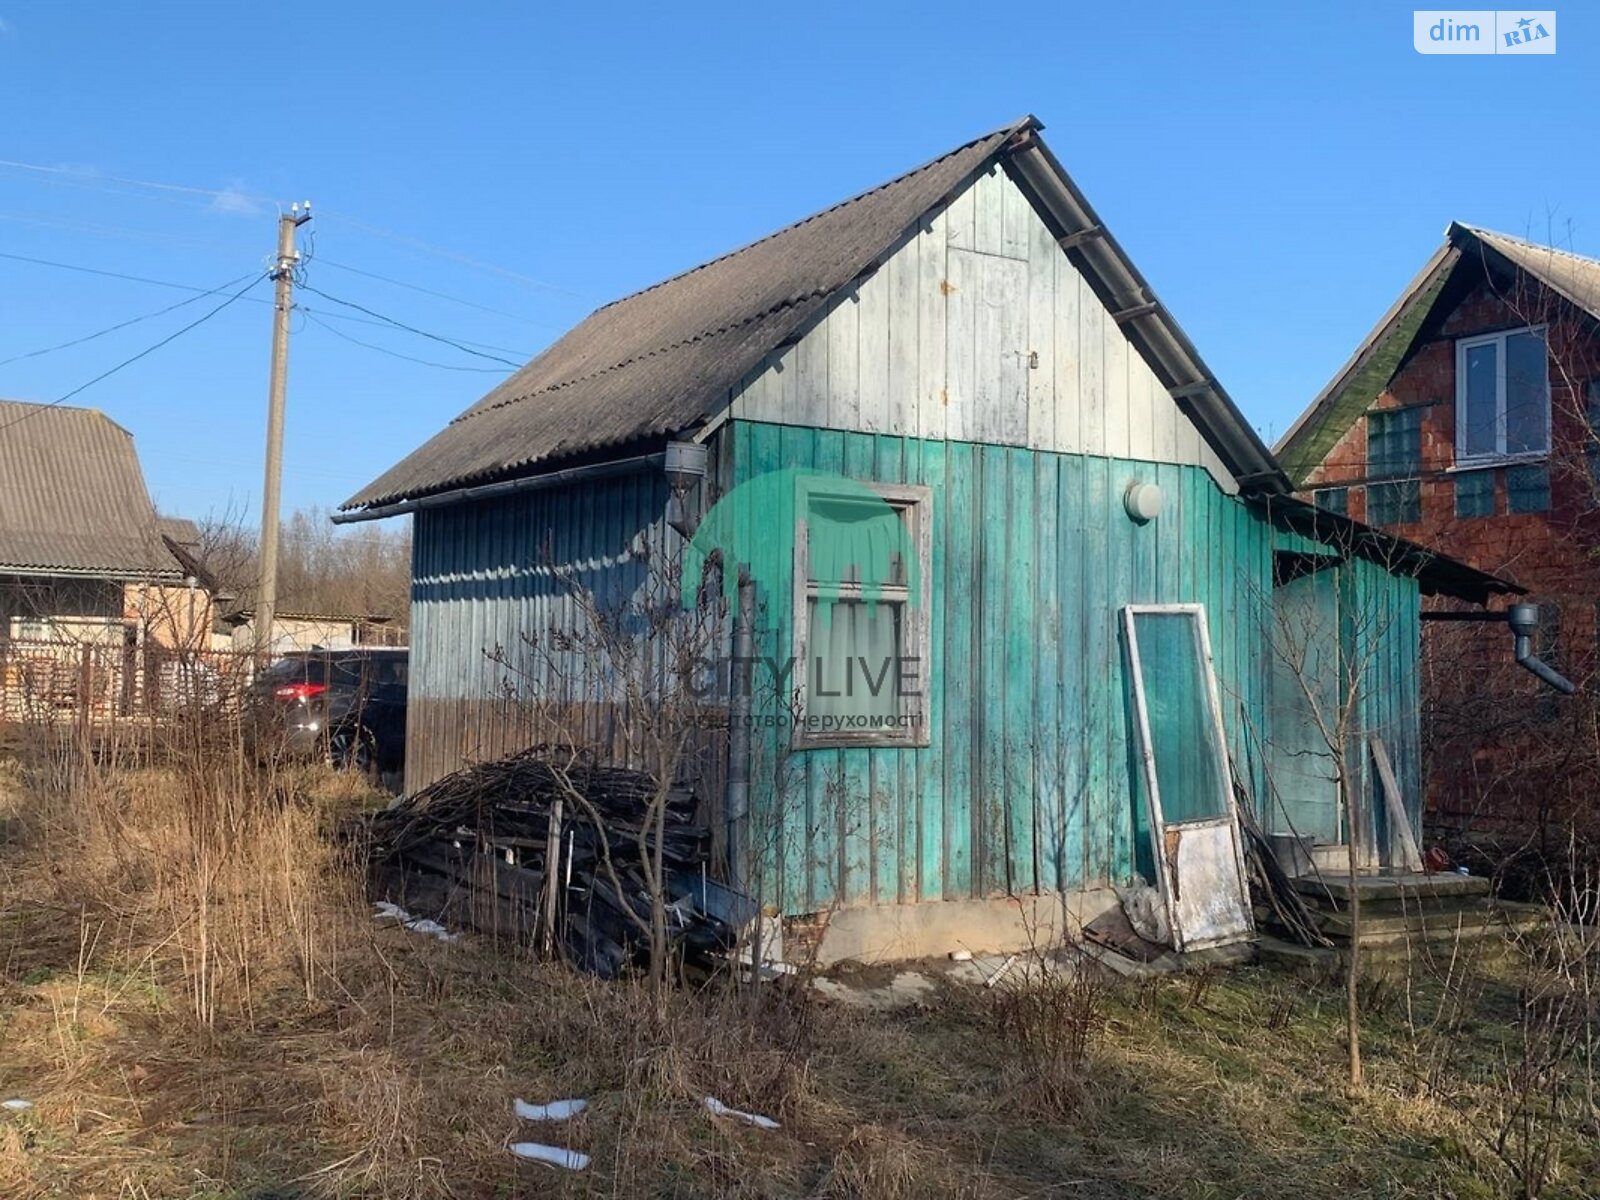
(1360, 391)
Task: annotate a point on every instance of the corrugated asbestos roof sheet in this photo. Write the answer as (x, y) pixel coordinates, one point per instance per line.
(665, 358)
(1575, 277)
(72, 496)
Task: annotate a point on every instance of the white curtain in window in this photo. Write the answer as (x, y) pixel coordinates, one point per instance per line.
(853, 665)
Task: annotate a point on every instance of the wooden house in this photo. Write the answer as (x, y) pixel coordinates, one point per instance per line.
(1073, 486)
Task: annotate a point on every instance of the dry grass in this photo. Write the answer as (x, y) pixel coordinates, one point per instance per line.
(195, 996)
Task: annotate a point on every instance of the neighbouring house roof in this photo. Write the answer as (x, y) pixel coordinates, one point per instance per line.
(1467, 253)
(73, 498)
(1436, 574)
(666, 359)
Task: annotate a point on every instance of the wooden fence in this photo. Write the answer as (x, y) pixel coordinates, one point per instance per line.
(107, 683)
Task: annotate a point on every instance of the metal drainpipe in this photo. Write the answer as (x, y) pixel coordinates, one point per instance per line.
(739, 706)
(1524, 622)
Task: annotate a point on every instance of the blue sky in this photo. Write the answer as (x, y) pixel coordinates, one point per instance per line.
(1278, 171)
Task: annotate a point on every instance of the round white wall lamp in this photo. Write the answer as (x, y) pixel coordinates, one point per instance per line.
(1143, 501)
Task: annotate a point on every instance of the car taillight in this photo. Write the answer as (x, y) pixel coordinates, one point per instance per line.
(290, 692)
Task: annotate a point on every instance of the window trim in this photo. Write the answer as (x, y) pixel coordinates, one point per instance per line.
(1499, 454)
(916, 624)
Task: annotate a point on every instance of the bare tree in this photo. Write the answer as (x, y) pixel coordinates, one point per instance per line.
(1326, 655)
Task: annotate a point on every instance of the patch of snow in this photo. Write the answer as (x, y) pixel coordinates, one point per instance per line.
(393, 912)
(556, 1110)
(17, 1105)
(555, 1156)
(718, 1109)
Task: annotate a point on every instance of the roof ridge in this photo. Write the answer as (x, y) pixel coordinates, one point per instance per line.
(1482, 231)
(50, 404)
(1012, 127)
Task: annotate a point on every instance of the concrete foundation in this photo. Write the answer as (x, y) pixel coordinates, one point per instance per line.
(897, 932)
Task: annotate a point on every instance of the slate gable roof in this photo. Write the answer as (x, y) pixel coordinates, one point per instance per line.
(73, 498)
(665, 360)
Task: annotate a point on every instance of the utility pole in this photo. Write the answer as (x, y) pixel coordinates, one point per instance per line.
(283, 276)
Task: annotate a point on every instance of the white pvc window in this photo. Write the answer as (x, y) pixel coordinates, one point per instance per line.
(1502, 396)
(861, 647)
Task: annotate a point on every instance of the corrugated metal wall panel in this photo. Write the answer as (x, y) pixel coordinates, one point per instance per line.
(491, 581)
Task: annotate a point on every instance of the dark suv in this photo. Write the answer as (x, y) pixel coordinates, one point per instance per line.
(347, 706)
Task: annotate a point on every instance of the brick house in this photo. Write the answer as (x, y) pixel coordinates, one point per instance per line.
(1466, 421)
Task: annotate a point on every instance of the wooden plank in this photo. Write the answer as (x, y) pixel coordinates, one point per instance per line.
(960, 692)
(1050, 840)
(1394, 799)
(960, 220)
(1041, 372)
(992, 837)
(932, 397)
(887, 793)
(1164, 415)
(1101, 674)
(1091, 373)
(811, 377)
(1018, 220)
(1076, 748)
(1068, 436)
(1021, 633)
(931, 759)
(904, 333)
(1002, 338)
(1122, 588)
(828, 801)
(759, 450)
(872, 315)
(855, 763)
(963, 301)
(988, 195)
(1119, 417)
(844, 363)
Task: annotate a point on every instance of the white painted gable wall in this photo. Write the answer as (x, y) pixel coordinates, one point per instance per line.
(938, 344)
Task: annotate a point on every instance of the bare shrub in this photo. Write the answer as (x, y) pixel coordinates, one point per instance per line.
(1050, 1017)
(217, 863)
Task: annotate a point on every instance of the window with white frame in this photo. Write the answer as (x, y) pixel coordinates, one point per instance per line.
(1502, 396)
(861, 629)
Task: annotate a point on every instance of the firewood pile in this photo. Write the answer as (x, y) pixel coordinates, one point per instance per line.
(477, 848)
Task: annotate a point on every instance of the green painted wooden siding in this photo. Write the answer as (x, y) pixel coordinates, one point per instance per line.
(1027, 782)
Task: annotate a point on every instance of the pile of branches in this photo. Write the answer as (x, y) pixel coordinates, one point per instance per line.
(478, 848)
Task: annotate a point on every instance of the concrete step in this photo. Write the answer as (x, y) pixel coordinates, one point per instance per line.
(1391, 893)
(1386, 940)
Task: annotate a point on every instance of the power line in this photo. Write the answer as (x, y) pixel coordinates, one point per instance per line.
(498, 312)
(124, 324)
(453, 256)
(94, 179)
(237, 195)
(148, 350)
(200, 291)
(432, 337)
(115, 231)
(48, 262)
(315, 320)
